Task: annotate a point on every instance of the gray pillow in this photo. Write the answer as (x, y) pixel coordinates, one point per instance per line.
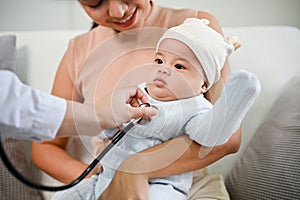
(8, 52)
(22, 63)
(269, 167)
(10, 187)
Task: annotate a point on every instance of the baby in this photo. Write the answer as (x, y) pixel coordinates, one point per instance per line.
(188, 61)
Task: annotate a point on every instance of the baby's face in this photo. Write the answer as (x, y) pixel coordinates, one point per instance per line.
(177, 72)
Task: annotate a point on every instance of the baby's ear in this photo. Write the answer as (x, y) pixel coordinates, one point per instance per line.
(204, 87)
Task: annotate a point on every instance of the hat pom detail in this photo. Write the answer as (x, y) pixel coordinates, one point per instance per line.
(233, 40)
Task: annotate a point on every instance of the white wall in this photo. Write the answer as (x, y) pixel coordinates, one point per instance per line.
(68, 14)
(246, 12)
(42, 15)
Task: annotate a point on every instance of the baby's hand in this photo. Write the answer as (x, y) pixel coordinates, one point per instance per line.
(99, 145)
(96, 170)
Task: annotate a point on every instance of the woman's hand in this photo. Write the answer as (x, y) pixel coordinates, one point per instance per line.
(126, 186)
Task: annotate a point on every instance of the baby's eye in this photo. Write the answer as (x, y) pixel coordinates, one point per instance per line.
(159, 61)
(178, 66)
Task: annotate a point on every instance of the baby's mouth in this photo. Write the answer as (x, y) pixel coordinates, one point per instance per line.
(159, 82)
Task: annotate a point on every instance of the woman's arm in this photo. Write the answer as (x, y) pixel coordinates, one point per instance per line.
(154, 162)
(131, 179)
(51, 157)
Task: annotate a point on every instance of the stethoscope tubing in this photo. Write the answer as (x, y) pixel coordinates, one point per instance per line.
(118, 136)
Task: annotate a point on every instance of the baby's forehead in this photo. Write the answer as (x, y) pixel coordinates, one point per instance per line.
(177, 49)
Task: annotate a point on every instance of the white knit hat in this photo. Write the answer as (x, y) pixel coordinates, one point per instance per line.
(208, 45)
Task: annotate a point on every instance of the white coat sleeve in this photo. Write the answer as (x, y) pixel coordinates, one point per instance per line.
(27, 113)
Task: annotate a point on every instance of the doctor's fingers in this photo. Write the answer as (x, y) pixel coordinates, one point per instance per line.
(135, 96)
(142, 112)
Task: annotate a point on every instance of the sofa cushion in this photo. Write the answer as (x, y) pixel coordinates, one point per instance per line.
(269, 166)
(8, 52)
(22, 63)
(13, 58)
(272, 54)
(10, 187)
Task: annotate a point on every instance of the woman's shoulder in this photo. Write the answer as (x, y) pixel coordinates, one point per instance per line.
(175, 16)
(213, 22)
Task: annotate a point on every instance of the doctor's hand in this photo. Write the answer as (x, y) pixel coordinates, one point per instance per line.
(110, 111)
(121, 106)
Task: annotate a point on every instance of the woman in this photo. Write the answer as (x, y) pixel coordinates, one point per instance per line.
(113, 17)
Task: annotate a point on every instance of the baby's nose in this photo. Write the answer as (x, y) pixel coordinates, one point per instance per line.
(164, 70)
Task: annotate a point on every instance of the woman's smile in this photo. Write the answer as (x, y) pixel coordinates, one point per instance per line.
(128, 21)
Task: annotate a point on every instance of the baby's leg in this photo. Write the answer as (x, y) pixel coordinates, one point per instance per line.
(227, 114)
(85, 190)
(165, 192)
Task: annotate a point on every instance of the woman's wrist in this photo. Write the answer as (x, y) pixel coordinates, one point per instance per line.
(161, 160)
(135, 164)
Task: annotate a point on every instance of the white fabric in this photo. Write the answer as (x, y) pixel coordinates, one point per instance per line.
(169, 123)
(209, 46)
(27, 113)
(218, 125)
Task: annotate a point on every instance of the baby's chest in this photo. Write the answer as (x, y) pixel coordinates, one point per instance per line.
(167, 124)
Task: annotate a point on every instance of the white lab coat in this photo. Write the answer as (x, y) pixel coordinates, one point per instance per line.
(27, 113)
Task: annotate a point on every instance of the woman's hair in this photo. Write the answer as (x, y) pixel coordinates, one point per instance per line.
(94, 25)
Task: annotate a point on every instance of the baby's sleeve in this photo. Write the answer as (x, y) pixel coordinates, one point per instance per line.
(217, 125)
(200, 128)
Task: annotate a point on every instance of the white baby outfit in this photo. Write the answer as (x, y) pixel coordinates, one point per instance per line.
(169, 123)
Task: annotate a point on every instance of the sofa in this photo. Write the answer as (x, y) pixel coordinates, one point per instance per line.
(267, 164)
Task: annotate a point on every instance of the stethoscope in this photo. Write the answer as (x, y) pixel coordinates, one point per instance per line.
(118, 136)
